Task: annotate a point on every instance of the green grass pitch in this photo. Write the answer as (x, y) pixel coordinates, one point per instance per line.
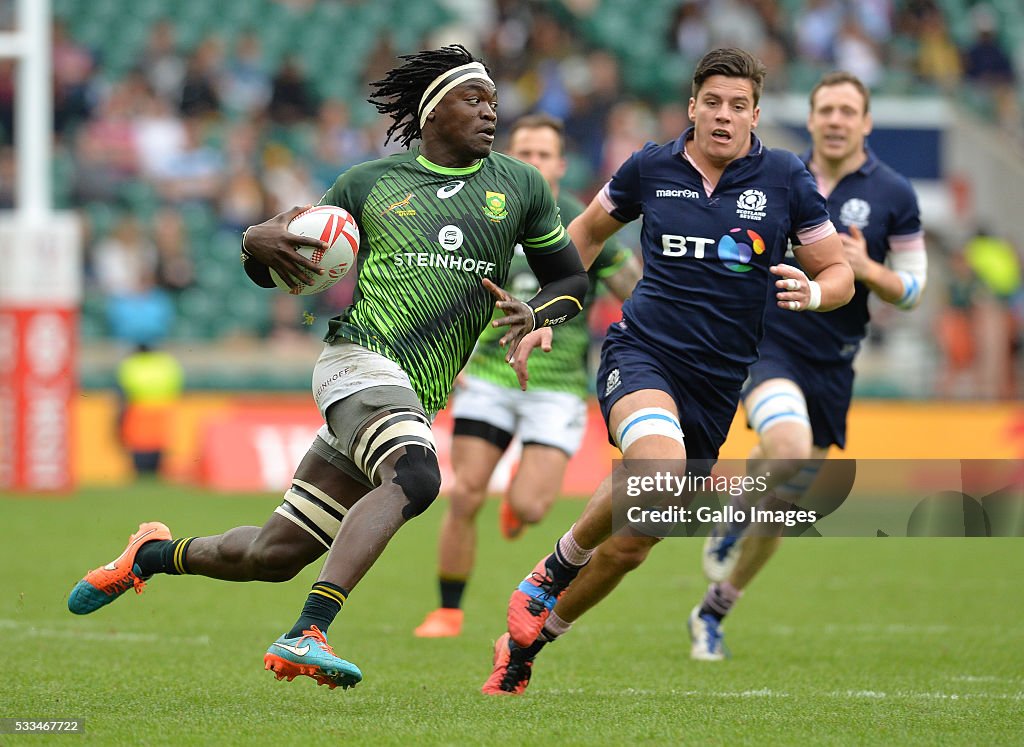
(841, 641)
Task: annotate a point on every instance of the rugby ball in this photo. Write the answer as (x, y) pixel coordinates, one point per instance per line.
(337, 228)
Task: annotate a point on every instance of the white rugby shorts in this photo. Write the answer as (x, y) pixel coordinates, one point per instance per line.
(537, 416)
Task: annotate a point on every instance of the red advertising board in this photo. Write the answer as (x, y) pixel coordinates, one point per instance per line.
(37, 364)
(254, 448)
(40, 290)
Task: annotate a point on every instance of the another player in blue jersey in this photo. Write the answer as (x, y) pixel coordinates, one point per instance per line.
(799, 391)
(493, 405)
(718, 209)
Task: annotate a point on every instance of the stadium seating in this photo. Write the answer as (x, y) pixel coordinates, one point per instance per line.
(117, 31)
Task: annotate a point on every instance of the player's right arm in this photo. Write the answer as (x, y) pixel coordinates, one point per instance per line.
(622, 282)
(902, 284)
(617, 268)
(272, 245)
(590, 229)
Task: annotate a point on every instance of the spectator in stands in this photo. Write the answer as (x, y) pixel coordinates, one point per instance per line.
(857, 53)
(175, 270)
(988, 68)
(552, 45)
(105, 151)
(123, 260)
(337, 143)
(241, 149)
(196, 173)
(630, 125)
(242, 201)
(690, 34)
(875, 18)
(816, 28)
(160, 135)
(287, 180)
(595, 91)
(777, 46)
(200, 93)
(73, 70)
(672, 119)
(735, 23)
(162, 63)
(246, 83)
(938, 59)
(293, 98)
(143, 315)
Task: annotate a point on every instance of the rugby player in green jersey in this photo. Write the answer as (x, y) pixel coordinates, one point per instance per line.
(490, 406)
(438, 226)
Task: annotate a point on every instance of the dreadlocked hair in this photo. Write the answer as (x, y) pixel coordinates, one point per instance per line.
(398, 93)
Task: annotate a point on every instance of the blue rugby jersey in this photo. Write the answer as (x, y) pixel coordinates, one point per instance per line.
(701, 300)
(882, 204)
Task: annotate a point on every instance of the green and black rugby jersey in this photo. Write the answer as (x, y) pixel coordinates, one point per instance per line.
(564, 369)
(428, 236)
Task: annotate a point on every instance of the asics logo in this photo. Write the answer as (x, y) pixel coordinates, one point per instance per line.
(295, 650)
(450, 189)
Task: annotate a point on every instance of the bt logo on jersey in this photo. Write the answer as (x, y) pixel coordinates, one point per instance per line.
(678, 246)
(735, 255)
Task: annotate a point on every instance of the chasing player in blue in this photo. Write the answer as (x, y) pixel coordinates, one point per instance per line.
(799, 391)
(718, 208)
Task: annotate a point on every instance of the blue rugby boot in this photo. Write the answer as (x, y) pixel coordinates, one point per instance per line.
(311, 655)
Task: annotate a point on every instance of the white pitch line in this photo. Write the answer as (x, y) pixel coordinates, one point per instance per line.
(983, 678)
(888, 629)
(905, 695)
(768, 693)
(113, 636)
(632, 691)
(860, 694)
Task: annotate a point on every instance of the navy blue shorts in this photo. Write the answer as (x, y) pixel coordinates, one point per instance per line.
(827, 388)
(706, 410)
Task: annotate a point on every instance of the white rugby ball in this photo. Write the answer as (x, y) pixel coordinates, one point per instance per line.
(337, 228)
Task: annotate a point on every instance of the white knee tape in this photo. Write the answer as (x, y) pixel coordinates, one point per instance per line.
(777, 405)
(648, 421)
(795, 487)
(311, 509)
(389, 433)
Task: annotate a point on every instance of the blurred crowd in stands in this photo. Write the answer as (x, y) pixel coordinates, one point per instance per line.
(170, 160)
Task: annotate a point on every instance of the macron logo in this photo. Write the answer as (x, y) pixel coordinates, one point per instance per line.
(677, 193)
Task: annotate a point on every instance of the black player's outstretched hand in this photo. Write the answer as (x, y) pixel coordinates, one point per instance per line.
(518, 317)
(271, 244)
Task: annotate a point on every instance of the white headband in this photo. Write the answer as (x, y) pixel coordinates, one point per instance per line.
(445, 82)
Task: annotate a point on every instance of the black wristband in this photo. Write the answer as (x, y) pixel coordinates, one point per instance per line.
(559, 301)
